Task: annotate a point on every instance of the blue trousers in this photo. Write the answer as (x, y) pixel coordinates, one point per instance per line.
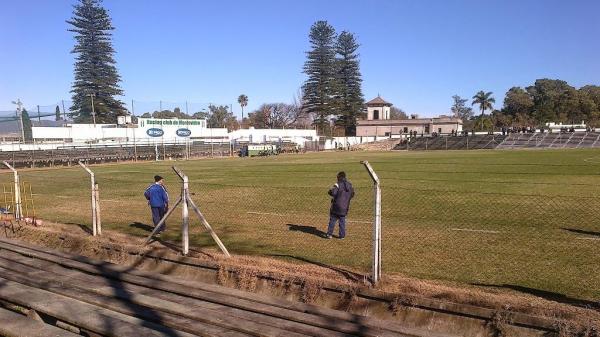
(157, 214)
(342, 221)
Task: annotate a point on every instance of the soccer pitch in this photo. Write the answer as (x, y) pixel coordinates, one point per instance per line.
(526, 220)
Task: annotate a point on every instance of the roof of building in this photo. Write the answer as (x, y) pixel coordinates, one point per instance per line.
(378, 101)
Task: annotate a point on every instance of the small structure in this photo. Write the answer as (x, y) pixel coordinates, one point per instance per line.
(378, 109)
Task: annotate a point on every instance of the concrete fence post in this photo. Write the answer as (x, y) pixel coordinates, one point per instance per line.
(376, 256)
(95, 193)
(17, 194)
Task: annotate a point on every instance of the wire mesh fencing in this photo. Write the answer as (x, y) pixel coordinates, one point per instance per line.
(520, 240)
(288, 222)
(516, 241)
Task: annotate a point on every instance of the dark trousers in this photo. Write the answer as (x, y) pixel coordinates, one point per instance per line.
(157, 214)
(342, 221)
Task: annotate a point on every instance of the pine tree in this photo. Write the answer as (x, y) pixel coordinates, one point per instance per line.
(318, 89)
(95, 70)
(57, 113)
(348, 92)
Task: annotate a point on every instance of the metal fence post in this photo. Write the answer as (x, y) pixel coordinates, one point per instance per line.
(18, 205)
(185, 236)
(376, 258)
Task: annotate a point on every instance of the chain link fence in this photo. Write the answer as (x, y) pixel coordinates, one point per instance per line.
(519, 240)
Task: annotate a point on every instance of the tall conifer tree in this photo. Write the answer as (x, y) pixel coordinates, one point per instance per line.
(348, 91)
(318, 89)
(95, 67)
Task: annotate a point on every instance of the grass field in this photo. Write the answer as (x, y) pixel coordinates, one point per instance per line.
(525, 220)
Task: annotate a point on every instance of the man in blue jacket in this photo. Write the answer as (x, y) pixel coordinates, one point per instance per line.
(158, 199)
(342, 192)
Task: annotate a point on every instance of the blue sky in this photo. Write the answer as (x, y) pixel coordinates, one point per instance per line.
(416, 54)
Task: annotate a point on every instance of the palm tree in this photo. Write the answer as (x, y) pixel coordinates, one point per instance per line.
(485, 100)
(243, 101)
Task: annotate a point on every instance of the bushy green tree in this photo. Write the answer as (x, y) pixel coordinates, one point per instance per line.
(221, 117)
(95, 67)
(517, 101)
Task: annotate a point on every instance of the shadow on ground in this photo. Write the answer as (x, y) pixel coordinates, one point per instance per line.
(312, 230)
(581, 231)
(350, 275)
(548, 295)
(142, 226)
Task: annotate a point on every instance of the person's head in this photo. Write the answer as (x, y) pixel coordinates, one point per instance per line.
(341, 176)
(158, 179)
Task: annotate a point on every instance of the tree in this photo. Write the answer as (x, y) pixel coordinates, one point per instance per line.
(57, 113)
(460, 110)
(95, 67)
(318, 89)
(221, 117)
(546, 95)
(347, 86)
(243, 101)
(275, 116)
(166, 114)
(589, 101)
(146, 115)
(485, 100)
(517, 101)
(397, 113)
(27, 131)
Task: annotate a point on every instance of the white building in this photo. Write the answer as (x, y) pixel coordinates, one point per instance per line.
(260, 136)
(153, 130)
(147, 129)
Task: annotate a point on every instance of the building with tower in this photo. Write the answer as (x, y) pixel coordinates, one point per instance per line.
(378, 123)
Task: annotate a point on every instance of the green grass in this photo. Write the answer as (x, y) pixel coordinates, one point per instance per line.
(536, 214)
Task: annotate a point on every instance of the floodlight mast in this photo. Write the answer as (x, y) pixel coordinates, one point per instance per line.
(20, 114)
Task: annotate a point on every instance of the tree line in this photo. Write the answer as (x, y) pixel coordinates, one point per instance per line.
(331, 91)
(547, 100)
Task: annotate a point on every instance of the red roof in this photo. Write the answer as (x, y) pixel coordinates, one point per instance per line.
(378, 101)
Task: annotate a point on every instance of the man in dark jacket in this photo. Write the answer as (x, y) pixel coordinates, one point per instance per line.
(158, 199)
(341, 193)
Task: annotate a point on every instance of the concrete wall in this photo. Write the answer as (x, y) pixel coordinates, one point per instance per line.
(89, 132)
(385, 130)
(259, 136)
(343, 142)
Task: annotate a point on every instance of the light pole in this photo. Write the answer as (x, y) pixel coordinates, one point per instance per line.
(20, 114)
(92, 95)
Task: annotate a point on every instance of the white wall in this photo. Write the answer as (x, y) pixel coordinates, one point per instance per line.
(343, 142)
(89, 132)
(298, 136)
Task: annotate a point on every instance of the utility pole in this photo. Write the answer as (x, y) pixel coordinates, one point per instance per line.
(92, 95)
(64, 112)
(20, 115)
